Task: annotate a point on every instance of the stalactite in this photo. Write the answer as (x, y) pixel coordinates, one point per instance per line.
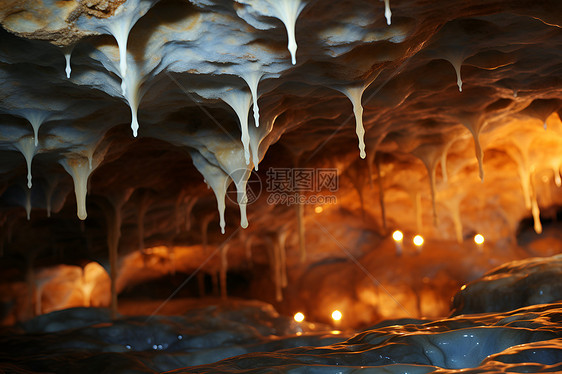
(387, 12)
(28, 150)
(114, 220)
(381, 194)
(31, 290)
(28, 203)
(52, 182)
(456, 59)
(535, 210)
(36, 118)
(205, 230)
(253, 79)
(417, 202)
(357, 180)
(301, 231)
(281, 240)
(224, 270)
(248, 249)
(257, 135)
(275, 260)
(79, 170)
(556, 173)
(131, 87)
(475, 124)
(67, 53)
(519, 155)
(240, 101)
(453, 204)
(217, 179)
(188, 209)
(354, 94)
(444, 160)
(430, 154)
(143, 205)
(288, 11)
(179, 203)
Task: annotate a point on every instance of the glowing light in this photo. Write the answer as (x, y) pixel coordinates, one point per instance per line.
(318, 209)
(299, 317)
(418, 240)
(478, 239)
(336, 315)
(463, 287)
(398, 236)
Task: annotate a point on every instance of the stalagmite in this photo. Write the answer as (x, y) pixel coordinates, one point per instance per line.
(26, 146)
(240, 101)
(288, 11)
(387, 12)
(354, 94)
(217, 179)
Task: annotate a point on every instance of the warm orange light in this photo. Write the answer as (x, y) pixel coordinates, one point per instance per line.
(336, 315)
(299, 317)
(478, 239)
(318, 209)
(418, 240)
(397, 235)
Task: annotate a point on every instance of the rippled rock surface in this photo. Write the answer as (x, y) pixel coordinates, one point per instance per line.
(512, 285)
(524, 340)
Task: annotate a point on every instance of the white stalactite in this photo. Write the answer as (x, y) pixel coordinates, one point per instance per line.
(26, 146)
(240, 101)
(217, 179)
(288, 11)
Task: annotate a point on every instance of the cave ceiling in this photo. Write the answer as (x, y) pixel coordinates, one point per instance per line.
(439, 117)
